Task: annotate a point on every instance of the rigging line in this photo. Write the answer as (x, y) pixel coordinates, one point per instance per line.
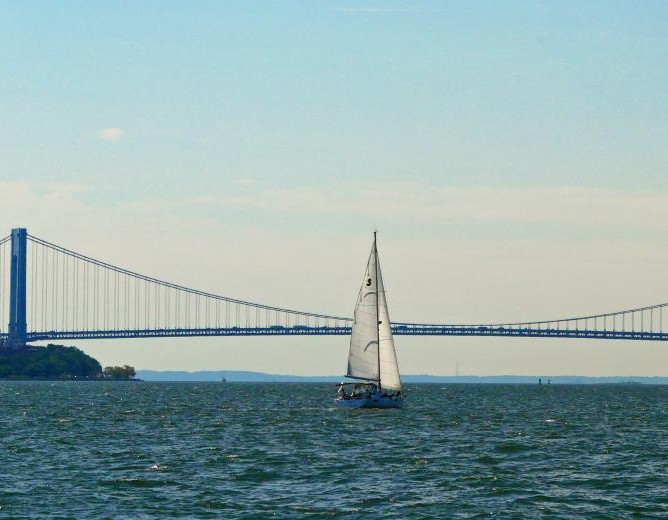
(6, 239)
(176, 286)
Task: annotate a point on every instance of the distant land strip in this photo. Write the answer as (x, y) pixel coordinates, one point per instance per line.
(233, 376)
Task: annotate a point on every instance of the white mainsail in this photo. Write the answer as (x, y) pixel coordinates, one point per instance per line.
(363, 355)
(371, 330)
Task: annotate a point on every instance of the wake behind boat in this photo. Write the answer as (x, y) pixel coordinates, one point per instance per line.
(372, 360)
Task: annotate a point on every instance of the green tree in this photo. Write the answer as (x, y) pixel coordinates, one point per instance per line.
(119, 373)
(50, 362)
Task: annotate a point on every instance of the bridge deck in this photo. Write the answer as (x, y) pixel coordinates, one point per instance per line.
(398, 330)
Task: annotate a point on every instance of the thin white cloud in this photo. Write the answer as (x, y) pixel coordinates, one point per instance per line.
(110, 134)
(640, 213)
(420, 203)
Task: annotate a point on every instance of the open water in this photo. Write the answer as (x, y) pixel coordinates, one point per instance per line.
(233, 450)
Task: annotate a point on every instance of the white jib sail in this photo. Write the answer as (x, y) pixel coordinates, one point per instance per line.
(389, 367)
(363, 355)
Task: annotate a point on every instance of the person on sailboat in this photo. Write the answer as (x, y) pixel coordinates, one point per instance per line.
(340, 392)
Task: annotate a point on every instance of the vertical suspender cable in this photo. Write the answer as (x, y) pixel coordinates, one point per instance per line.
(167, 309)
(116, 295)
(178, 310)
(2, 283)
(45, 277)
(156, 308)
(128, 282)
(53, 289)
(33, 276)
(136, 318)
(105, 299)
(78, 289)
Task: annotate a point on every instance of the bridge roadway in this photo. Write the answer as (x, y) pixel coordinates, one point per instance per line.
(398, 329)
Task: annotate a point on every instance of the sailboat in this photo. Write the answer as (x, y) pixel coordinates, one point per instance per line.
(372, 360)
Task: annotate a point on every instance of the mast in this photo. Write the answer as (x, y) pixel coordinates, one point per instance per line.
(375, 252)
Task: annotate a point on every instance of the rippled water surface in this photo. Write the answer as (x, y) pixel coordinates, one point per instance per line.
(233, 450)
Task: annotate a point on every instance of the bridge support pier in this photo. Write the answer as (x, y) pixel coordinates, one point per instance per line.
(18, 327)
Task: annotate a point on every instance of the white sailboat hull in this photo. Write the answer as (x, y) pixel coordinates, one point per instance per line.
(372, 401)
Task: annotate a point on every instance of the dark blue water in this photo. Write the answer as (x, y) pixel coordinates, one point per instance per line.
(170, 450)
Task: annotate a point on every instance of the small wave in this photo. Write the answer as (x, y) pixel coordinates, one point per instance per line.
(135, 482)
(481, 477)
(487, 459)
(510, 447)
(256, 475)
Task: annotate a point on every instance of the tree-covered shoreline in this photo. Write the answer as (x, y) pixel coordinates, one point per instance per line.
(55, 362)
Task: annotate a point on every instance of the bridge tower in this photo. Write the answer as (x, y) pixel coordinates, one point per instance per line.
(18, 327)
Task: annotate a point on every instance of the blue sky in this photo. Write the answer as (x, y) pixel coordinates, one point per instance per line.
(489, 142)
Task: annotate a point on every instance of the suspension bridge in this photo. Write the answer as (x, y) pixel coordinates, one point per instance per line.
(48, 292)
